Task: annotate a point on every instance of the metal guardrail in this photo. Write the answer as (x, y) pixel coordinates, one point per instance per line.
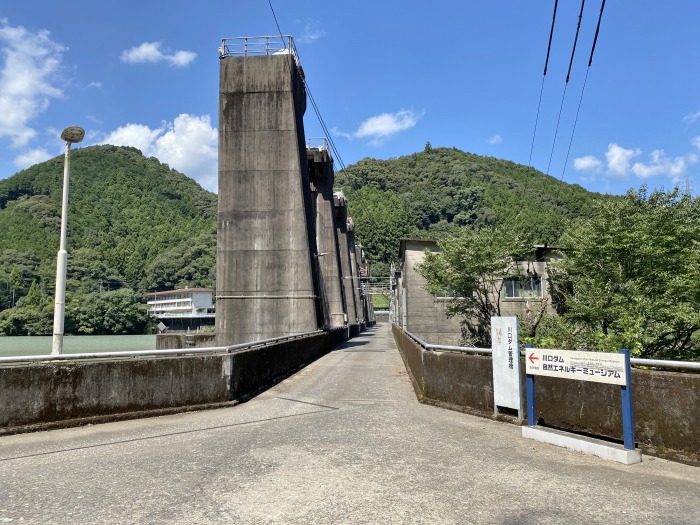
(664, 363)
(258, 46)
(321, 141)
(152, 353)
(467, 349)
(656, 363)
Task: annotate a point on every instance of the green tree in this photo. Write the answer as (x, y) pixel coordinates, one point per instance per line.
(33, 314)
(119, 312)
(470, 269)
(381, 219)
(631, 279)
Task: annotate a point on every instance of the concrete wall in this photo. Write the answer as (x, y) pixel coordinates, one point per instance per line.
(176, 340)
(41, 394)
(666, 404)
(425, 315)
(265, 277)
(66, 393)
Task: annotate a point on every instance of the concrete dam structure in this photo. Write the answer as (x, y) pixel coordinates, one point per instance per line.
(279, 268)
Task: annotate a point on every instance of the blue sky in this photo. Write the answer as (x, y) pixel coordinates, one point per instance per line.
(388, 76)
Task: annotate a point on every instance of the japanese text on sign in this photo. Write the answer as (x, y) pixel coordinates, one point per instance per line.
(598, 367)
(506, 362)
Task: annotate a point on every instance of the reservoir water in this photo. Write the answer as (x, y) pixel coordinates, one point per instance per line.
(75, 344)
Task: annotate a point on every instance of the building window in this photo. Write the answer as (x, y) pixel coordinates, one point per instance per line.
(529, 286)
(448, 293)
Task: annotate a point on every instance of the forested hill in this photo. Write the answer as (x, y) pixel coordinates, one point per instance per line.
(440, 190)
(133, 223)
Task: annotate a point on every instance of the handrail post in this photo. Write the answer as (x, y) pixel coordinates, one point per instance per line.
(530, 393)
(627, 405)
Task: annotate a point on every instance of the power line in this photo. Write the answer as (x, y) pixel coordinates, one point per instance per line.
(544, 75)
(571, 140)
(275, 17)
(317, 112)
(568, 75)
(585, 80)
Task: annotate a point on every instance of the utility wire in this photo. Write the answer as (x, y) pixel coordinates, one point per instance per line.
(568, 75)
(544, 75)
(573, 51)
(327, 134)
(329, 139)
(275, 17)
(571, 140)
(590, 61)
(556, 130)
(597, 29)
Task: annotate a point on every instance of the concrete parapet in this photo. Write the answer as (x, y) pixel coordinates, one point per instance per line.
(42, 394)
(177, 340)
(666, 404)
(69, 393)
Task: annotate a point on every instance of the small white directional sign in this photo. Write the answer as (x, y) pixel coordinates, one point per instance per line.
(599, 367)
(506, 363)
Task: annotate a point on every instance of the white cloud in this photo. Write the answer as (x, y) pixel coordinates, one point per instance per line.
(692, 117)
(379, 127)
(496, 139)
(94, 84)
(31, 157)
(618, 159)
(149, 52)
(619, 163)
(189, 144)
(311, 32)
(588, 163)
(28, 79)
(660, 164)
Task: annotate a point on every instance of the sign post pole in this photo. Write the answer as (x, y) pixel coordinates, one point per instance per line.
(530, 393)
(627, 405)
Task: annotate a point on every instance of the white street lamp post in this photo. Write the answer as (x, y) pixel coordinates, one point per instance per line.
(71, 135)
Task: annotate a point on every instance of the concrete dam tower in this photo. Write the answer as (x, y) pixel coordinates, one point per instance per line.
(266, 247)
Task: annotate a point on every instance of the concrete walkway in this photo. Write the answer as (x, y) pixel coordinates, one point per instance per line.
(342, 441)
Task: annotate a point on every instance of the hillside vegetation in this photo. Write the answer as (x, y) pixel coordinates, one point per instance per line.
(440, 190)
(134, 225)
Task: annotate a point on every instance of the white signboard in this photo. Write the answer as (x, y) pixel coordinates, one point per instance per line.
(506, 363)
(599, 367)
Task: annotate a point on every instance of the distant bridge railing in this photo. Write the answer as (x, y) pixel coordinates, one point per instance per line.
(14, 360)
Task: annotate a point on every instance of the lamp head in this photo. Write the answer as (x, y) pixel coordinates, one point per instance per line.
(73, 134)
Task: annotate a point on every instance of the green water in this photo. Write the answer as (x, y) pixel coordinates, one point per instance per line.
(75, 344)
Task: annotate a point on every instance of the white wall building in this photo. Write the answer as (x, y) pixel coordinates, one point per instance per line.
(184, 303)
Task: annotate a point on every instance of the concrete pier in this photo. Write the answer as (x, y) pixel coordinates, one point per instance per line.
(321, 176)
(265, 255)
(359, 309)
(341, 216)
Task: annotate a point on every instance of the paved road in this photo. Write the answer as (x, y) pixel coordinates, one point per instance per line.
(343, 441)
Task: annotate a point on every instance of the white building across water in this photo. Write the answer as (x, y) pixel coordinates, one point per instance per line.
(186, 308)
